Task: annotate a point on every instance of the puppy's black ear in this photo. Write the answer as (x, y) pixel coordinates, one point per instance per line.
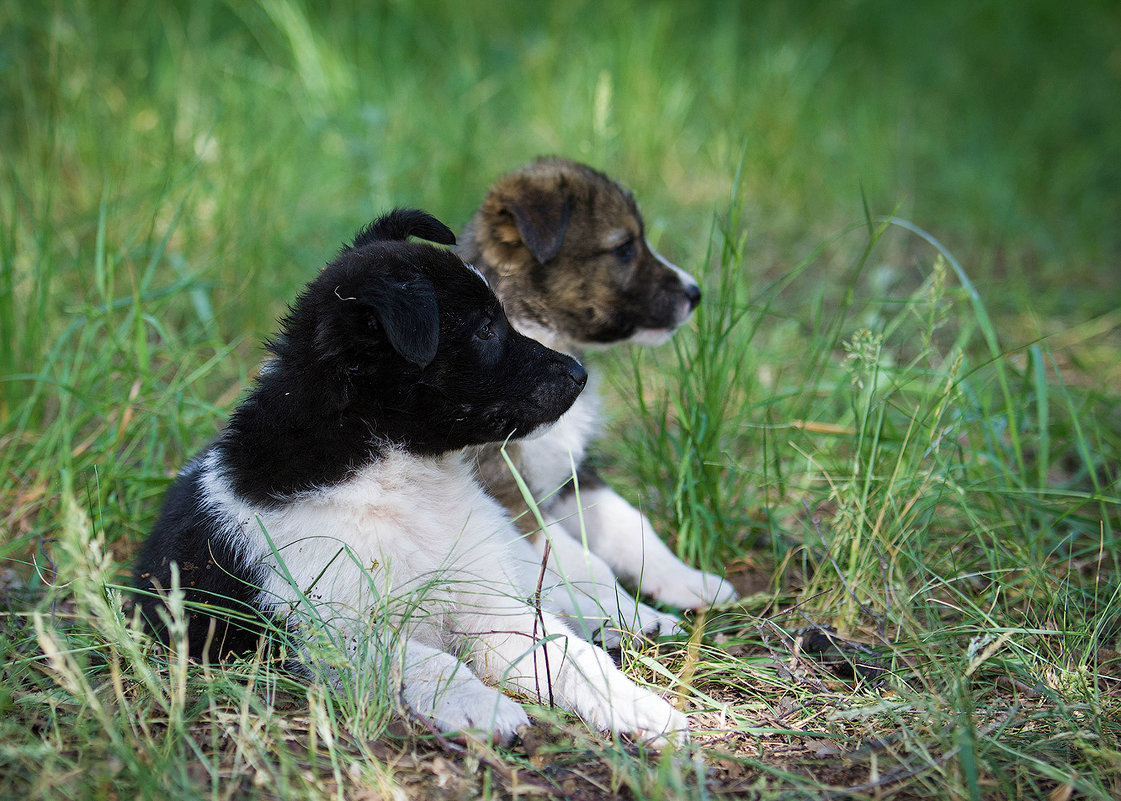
(541, 215)
(375, 311)
(409, 315)
(400, 224)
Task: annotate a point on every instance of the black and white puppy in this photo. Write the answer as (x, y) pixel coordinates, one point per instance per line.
(338, 504)
(564, 247)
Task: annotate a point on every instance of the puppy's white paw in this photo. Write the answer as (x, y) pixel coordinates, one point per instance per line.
(598, 692)
(611, 615)
(646, 621)
(688, 588)
(629, 709)
(472, 708)
(655, 722)
(637, 620)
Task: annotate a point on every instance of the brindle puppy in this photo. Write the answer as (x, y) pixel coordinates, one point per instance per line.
(564, 248)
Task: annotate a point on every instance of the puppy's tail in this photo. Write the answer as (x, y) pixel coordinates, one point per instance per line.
(400, 224)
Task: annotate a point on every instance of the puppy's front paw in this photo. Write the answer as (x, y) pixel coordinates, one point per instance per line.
(657, 723)
(645, 621)
(609, 623)
(692, 589)
(642, 715)
(475, 709)
(597, 691)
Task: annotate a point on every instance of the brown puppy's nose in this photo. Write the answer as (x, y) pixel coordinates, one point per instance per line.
(693, 295)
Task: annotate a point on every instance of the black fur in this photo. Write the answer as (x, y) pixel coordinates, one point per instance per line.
(394, 344)
(210, 573)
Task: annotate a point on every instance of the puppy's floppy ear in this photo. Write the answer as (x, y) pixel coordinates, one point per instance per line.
(409, 315)
(379, 310)
(541, 214)
(400, 224)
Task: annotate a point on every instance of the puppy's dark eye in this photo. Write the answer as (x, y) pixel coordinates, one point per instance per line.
(626, 251)
(486, 331)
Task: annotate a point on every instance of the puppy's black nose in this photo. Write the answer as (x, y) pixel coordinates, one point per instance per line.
(578, 374)
(693, 295)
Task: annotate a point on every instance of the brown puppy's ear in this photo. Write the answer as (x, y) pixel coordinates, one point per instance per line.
(542, 217)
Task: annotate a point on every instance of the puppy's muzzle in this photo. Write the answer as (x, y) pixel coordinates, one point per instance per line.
(558, 388)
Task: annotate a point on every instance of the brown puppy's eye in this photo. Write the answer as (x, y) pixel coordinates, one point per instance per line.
(625, 251)
(485, 331)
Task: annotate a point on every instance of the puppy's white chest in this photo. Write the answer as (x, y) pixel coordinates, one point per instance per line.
(548, 459)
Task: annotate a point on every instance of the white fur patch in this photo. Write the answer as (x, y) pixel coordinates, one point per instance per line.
(549, 456)
(403, 526)
(651, 337)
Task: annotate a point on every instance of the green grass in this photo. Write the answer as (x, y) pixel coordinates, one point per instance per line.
(896, 412)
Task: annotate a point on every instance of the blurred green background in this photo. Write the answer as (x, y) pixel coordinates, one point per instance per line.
(277, 127)
(173, 171)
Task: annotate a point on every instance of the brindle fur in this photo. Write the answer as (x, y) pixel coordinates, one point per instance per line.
(545, 237)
